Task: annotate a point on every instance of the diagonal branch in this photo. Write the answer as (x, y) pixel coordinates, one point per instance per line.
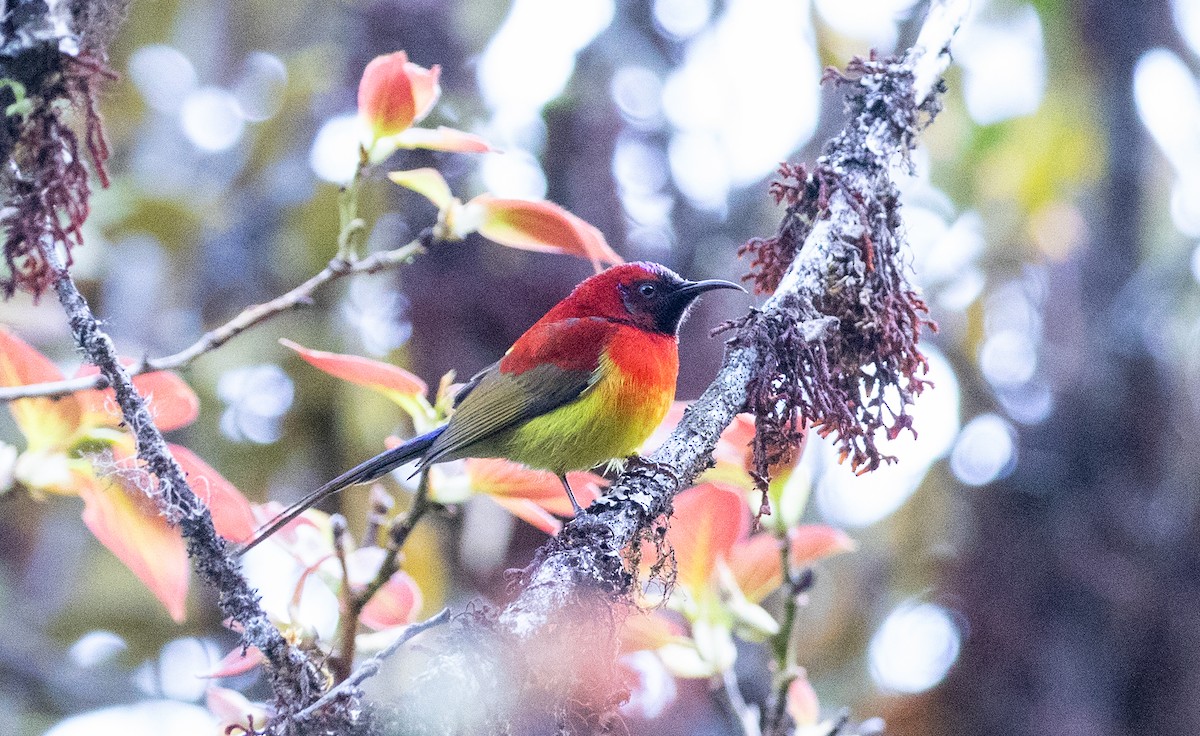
(249, 317)
(295, 679)
(369, 668)
(845, 241)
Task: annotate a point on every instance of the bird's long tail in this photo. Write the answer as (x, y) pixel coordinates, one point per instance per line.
(365, 472)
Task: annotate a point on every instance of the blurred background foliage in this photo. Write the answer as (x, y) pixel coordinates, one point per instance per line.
(1029, 566)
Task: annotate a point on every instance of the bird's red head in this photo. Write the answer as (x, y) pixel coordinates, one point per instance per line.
(648, 295)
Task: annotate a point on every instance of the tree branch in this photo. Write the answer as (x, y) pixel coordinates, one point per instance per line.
(338, 268)
(851, 232)
(293, 677)
(370, 667)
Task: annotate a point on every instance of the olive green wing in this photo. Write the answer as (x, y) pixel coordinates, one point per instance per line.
(494, 401)
(470, 385)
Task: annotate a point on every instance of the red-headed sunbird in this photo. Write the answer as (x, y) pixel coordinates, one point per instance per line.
(587, 383)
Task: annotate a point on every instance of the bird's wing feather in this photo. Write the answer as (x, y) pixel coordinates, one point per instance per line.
(502, 400)
(551, 365)
(470, 385)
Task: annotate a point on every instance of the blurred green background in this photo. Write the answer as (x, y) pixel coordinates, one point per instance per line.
(1031, 565)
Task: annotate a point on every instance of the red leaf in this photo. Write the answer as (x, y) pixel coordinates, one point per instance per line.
(665, 427)
(539, 226)
(171, 402)
(394, 93)
(376, 375)
(442, 138)
(237, 663)
(802, 703)
(126, 521)
(397, 603)
(708, 520)
(44, 422)
(230, 510)
(757, 566)
(733, 447)
(648, 630)
(811, 542)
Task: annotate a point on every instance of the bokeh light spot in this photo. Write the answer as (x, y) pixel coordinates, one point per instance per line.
(986, 450)
(163, 76)
(211, 119)
(914, 648)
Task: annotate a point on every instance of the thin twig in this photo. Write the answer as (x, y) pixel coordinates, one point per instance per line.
(249, 317)
(371, 667)
(398, 534)
(742, 714)
(784, 646)
(341, 664)
(381, 504)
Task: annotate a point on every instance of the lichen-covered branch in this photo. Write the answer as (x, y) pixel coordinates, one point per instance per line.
(294, 678)
(246, 319)
(834, 345)
(46, 189)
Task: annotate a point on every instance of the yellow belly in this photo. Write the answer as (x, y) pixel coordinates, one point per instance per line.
(610, 420)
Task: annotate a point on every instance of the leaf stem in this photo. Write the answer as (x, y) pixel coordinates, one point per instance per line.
(249, 317)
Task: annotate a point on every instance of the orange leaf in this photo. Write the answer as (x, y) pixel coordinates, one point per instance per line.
(441, 138)
(394, 93)
(230, 510)
(708, 519)
(757, 566)
(808, 543)
(237, 662)
(126, 521)
(530, 512)
(504, 479)
(397, 603)
(389, 380)
(539, 226)
(44, 422)
(171, 402)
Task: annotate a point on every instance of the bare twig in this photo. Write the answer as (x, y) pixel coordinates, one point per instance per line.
(775, 721)
(341, 664)
(370, 667)
(398, 534)
(249, 317)
(743, 715)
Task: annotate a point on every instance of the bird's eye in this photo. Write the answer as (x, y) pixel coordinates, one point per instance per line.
(647, 290)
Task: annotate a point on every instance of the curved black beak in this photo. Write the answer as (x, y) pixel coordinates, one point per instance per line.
(694, 289)
(670, 311)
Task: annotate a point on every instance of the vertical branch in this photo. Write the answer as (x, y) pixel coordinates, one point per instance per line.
(294, 679)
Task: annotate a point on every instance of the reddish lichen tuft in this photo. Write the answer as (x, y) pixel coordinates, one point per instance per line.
(46, 180)
(770, 257)
(841, 355)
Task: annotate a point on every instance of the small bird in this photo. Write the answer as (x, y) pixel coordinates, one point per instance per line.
(587, 383)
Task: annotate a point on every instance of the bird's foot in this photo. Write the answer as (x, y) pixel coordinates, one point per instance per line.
(578, 510)
(637, 461)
